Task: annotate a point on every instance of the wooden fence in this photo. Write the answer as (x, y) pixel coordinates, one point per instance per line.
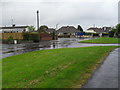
(4, 36)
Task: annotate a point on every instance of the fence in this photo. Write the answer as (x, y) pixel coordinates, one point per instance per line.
(4, 36)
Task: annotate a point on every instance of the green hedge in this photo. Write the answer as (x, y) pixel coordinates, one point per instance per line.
(10, 39)
(26, 36)
(34, 37)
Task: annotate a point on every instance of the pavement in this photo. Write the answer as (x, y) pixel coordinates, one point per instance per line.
(106, 76)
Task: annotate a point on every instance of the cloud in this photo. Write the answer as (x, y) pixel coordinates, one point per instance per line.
(64, 12)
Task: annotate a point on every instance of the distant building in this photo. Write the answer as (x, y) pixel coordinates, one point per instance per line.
(50, 30)
(98, 31)
(67, 31)
(53, 33)
(107, 29)
(13, 29)
(94, 30)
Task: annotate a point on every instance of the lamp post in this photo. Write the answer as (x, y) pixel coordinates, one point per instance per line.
(37, 20)
(38, 24)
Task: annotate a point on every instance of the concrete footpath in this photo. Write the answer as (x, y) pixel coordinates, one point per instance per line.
(106, 76)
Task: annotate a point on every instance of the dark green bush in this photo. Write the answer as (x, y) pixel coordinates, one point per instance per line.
(34, 37)
(26, 36)
(111, 34)
(10, 39)
(87, 33)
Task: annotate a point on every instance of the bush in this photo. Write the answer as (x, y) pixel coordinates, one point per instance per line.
(87, 33)
(10, 39)
(34, 37)
(26, 36)
(111, 34)
(53, 35)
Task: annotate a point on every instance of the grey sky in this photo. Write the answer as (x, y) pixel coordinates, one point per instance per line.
(64, 12)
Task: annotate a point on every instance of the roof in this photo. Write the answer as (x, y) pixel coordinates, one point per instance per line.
(107, 29)
(97, 30)
(67, 29)
(51, 30)
(13, 27)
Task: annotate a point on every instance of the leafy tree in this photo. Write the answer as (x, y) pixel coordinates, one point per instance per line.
(53, 35)
(43, 28)
(118, 29)
(80, 28)
(31, 28)
(115, 32)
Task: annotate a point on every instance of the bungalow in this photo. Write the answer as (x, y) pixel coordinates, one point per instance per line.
(53, 33)
(98, 31)
(107, 29)
(13, 29)
(50, 30)
(67, 31)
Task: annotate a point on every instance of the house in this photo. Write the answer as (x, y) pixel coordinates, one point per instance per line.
(48, 34)
(53, 33)
(13, 29)
(50, 30)
(16, 32)
(107, 29)
(98, 31)
(67, 31)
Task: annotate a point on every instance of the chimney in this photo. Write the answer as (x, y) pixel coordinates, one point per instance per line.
(13, 25)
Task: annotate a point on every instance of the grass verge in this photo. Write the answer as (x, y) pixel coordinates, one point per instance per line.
(104, 40)
(57, 68)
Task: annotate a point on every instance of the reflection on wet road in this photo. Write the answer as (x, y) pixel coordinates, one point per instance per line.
(15, 49)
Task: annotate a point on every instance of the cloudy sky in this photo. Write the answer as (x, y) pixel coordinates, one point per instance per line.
(62, 12)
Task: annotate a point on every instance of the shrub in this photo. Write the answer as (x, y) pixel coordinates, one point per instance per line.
(26, 36)
(111, 34)
(34, 37)
(87, 33)
(10, 39)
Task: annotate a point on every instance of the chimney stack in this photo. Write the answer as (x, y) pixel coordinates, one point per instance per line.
(13, 25)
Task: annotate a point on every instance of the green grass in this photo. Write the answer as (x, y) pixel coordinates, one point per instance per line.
(105, 40)
(56, 68)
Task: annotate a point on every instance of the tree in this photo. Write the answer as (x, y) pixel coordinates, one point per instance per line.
(43, 28)
(80, 28)
(118, 29)
(31, 28)
(115, 32)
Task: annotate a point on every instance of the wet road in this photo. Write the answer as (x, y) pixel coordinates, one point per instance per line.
(15, 49)
(106, 76)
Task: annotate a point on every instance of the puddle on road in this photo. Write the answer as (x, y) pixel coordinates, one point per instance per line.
(15, 49)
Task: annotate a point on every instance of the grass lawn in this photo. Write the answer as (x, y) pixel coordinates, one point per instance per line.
(55, 68)
(104, 40)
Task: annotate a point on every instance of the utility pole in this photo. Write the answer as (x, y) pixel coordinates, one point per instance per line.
(57, 26)
(55, 33)
(12, 21)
